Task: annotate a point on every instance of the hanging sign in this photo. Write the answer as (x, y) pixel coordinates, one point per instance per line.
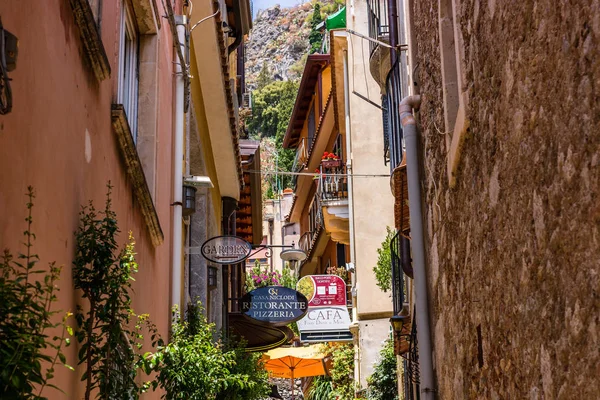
(327, 318)
(226, 249)
(275, 305)
(323, 290)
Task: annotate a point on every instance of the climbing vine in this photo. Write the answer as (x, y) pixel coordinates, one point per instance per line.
(27, 293)
(110, 349)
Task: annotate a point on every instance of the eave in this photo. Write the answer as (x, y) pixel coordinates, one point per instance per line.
(323, 137)
(310, 76)
(249, 213)
(211, 72)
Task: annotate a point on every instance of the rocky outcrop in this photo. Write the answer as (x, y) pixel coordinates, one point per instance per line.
(279, 38)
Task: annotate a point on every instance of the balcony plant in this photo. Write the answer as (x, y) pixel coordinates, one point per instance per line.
(257, 277)
(330, 160)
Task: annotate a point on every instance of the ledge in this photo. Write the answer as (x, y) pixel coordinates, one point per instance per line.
(136, 172)
(90, 36)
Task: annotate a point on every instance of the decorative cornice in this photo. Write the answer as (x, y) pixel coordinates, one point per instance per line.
(136, 172)
(90, 36)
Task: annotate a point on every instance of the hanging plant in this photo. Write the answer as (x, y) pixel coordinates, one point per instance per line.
(27, 294)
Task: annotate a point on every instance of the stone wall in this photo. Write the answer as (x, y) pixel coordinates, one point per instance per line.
(514, 248)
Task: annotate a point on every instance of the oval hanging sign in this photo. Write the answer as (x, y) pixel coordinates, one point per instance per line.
(226, 249)
(275, 305)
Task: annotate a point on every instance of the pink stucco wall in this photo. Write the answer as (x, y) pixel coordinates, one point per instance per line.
(56, 99)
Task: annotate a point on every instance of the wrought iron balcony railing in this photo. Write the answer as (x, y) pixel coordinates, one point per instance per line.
(411, 367)
(299, 160)
(333, 184)
(398, 282)
(378, 21)
(392, 128)
(315, 225)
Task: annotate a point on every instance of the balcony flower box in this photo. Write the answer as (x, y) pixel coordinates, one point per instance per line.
(331, 163)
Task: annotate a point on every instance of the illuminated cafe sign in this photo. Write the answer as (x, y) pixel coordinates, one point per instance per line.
(226, 249)
(274, 305)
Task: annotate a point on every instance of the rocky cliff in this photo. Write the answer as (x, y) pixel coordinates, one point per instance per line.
(279, 38)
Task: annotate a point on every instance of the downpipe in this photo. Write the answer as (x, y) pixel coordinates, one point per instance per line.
(411, 138)
(349, 180)
(177, 263)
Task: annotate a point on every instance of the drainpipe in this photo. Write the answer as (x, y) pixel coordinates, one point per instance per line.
(349, 177)
(349, 180)
(411, 137)
(178, 171)
(393, 24)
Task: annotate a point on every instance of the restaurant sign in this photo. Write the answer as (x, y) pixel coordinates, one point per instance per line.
(275, 305)
(327, 318)
(226, 249)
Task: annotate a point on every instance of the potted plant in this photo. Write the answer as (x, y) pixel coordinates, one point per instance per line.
(330, 160)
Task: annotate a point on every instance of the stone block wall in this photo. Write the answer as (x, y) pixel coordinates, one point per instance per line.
(514, 248)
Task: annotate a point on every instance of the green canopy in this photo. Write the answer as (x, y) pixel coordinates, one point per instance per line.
(337, 20)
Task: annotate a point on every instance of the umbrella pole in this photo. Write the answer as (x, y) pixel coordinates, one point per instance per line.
(292, 368)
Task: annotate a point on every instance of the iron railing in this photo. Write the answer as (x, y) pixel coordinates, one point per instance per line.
(315, 225)
(392, 128)
(378, 21)
(411, 367)
(299, 160)
(335, 186)
(398, 288)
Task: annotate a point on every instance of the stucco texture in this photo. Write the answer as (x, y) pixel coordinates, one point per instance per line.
(59, 139)
(514, 248)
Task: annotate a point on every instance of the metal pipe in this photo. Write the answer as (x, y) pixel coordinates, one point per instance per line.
(393, 24)
(349, 180)
(411, 137)
(177, 266)
(349, 176)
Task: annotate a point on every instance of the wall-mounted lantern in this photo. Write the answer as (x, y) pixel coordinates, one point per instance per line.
(189, 200)
(401, 325)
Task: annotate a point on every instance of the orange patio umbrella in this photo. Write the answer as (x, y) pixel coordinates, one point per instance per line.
(295, 362)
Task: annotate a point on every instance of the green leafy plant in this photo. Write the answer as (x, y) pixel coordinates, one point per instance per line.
(342, 371)
(110, 350)
(257, 277)
(315, 38)
(321, 389)
(193, 366)
(383, 269)
(272, 107)
(27, 294)
(383, 383)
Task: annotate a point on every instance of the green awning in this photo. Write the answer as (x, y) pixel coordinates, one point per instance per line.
(337, 20)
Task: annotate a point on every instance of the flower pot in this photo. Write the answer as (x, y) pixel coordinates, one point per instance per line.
(331, 163)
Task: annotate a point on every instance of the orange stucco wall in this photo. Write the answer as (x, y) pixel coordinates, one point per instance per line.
(43, 143)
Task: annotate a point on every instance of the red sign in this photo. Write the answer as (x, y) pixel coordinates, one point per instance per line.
(323, 290)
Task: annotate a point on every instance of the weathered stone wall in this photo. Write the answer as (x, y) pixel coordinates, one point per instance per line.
(514, 248)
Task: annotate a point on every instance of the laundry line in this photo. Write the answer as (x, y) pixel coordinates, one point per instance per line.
(267, 172)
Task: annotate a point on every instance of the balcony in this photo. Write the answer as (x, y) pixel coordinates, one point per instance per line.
(333, 192)
(315, 226)
(379, 29)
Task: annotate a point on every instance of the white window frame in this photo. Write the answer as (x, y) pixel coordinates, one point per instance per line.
(128, 80)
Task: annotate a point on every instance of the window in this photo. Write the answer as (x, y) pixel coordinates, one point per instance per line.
(128, 68)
